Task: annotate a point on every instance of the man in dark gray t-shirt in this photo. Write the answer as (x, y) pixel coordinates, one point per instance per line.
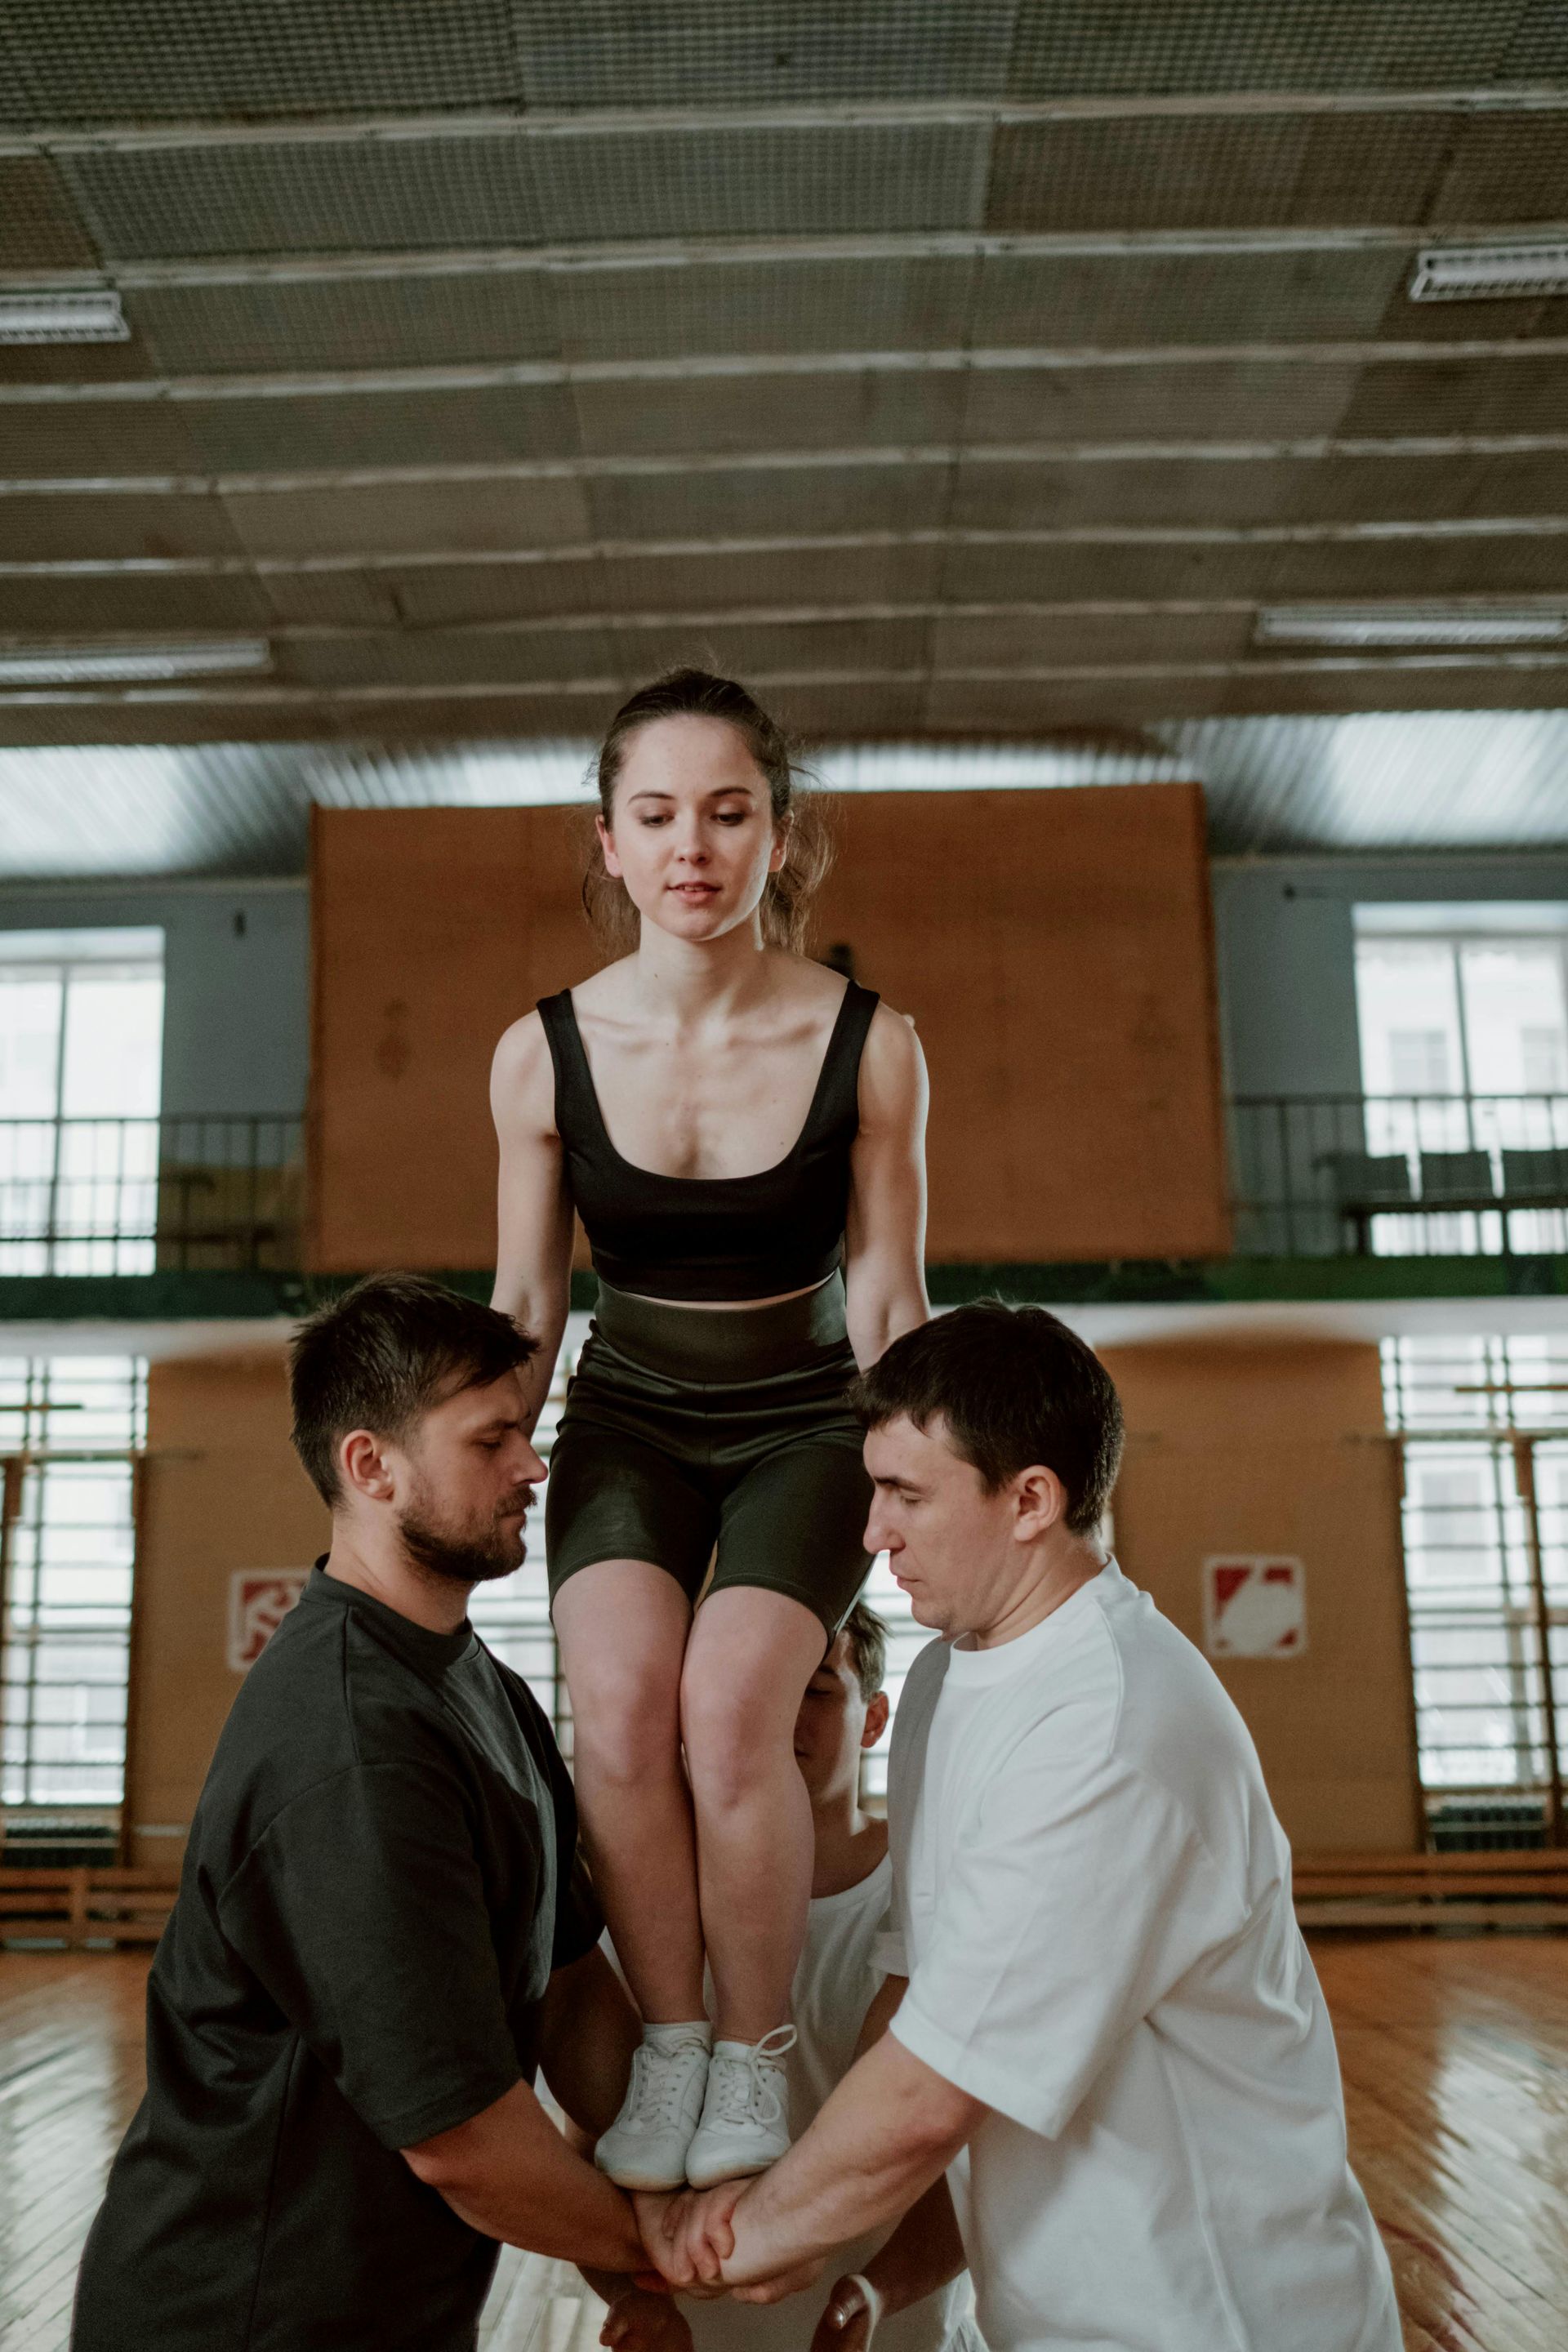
(383, 1924)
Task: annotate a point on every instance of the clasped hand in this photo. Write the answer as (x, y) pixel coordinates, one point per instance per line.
(690, 2237)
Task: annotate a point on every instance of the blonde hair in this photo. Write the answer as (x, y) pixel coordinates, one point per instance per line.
(699, 694)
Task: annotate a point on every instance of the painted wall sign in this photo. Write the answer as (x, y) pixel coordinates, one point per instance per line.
(1255, 1606)
(259, 1600)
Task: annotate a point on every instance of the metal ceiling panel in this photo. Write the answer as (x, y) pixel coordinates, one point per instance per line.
(757, 502)
(91, 439)
(582, 53)
(1507, 168)
(1216, 400)
(484, 424)
(893, 302)
(395, 517)
(40, 226)
(1217, 171)
(1539, 49)
(1520, 394)
(61, 528)
(313, 195)
(364, 600)
(1504, 564)
(759, 649)
(435, 595)
(1141, 299)
(993, 496)
(1047, 640)
(1066, 573)
(1189, 45)
(448, 657)
(78, 61)
(152, 604)
(715, 415)
(765, 180)
(768, 578)
(347, 322)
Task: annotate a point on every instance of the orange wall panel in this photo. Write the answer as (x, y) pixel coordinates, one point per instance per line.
(1282, 1448)
(1053, 946)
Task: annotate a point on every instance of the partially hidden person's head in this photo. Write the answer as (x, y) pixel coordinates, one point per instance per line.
(410, 1418)
(993, 1439)
(701, 830)
(845, 1710)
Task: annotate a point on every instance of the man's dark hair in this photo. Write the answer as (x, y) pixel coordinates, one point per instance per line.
(867, 1636)
(382, 1355)
(1013, 1386)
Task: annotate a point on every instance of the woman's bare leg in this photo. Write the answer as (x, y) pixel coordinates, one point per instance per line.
(750, 1657)
(622, 1626)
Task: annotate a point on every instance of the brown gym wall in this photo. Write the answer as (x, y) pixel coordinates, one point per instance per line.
(1053, 946)
(1282, 1448)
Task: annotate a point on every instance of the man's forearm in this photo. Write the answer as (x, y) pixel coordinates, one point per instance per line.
(510, 2173)
(889, 2132)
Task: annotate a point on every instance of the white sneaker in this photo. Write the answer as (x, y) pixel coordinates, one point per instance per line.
(645, 2145)
(745, 2117)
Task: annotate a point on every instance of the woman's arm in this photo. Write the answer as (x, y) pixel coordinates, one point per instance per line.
(533, 1258)
(884, 1241)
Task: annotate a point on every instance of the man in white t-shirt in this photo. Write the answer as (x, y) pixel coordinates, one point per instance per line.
(918, 2269)
(1111, 2031)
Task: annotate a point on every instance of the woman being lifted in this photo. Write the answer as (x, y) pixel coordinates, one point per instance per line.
(741, 1131)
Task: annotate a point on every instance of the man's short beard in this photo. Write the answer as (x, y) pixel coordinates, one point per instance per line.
(462, 1561)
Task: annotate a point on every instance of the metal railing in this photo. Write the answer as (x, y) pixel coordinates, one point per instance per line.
(126, 1196)
(1399, 1175)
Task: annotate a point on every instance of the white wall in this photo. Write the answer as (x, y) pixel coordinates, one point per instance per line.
(236, 964)
(1286, 952)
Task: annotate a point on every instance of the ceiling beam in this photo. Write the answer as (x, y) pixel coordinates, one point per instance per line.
(633, 122)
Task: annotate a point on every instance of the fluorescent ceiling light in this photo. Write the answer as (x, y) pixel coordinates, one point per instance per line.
(90, 317)
(1409, 625)
(1473, 273)
(123, 664)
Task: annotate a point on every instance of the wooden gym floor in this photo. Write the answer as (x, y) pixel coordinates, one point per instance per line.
(1456, 2065)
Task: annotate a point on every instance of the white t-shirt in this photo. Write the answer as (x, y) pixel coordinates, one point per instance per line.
(833, 1988)
(1092, 1904)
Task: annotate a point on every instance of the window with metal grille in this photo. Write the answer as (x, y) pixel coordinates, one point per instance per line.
(1463, 1013)
(1484, 1430)
(81, 1029)
(70, 1429)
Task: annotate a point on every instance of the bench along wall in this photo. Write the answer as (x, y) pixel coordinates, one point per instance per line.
(1245, 1448)
(1053, 946)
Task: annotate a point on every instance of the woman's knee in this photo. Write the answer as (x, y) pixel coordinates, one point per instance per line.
(627, 1724)
(735, 1736)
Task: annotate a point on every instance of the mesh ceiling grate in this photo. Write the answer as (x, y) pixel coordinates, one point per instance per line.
(1163, 46)
(169, 60)
(756, 52)
(1200, 172)
(40, 227)
(312, 195)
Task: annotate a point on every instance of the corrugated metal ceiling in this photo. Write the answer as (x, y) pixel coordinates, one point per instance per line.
(963, 372)
(1437, 782)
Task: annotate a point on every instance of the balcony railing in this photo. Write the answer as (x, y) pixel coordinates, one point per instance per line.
(1312, 1176)
(1400, 1175)
(126, 1196)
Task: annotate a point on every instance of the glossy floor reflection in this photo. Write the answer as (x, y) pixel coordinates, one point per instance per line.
(1456, 2065)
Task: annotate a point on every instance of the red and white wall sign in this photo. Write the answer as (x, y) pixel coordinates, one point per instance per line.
(259, 1600)
(1255, 1606)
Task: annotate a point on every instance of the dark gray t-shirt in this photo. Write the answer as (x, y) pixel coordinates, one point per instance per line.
(381, 1875)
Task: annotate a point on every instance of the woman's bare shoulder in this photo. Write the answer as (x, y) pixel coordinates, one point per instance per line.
(522, 1077)
(892, 1067)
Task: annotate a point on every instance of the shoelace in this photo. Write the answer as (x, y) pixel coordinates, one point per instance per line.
(656, 2087)
(743, 2089)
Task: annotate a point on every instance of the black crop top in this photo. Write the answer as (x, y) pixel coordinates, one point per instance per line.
(712, 1236)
